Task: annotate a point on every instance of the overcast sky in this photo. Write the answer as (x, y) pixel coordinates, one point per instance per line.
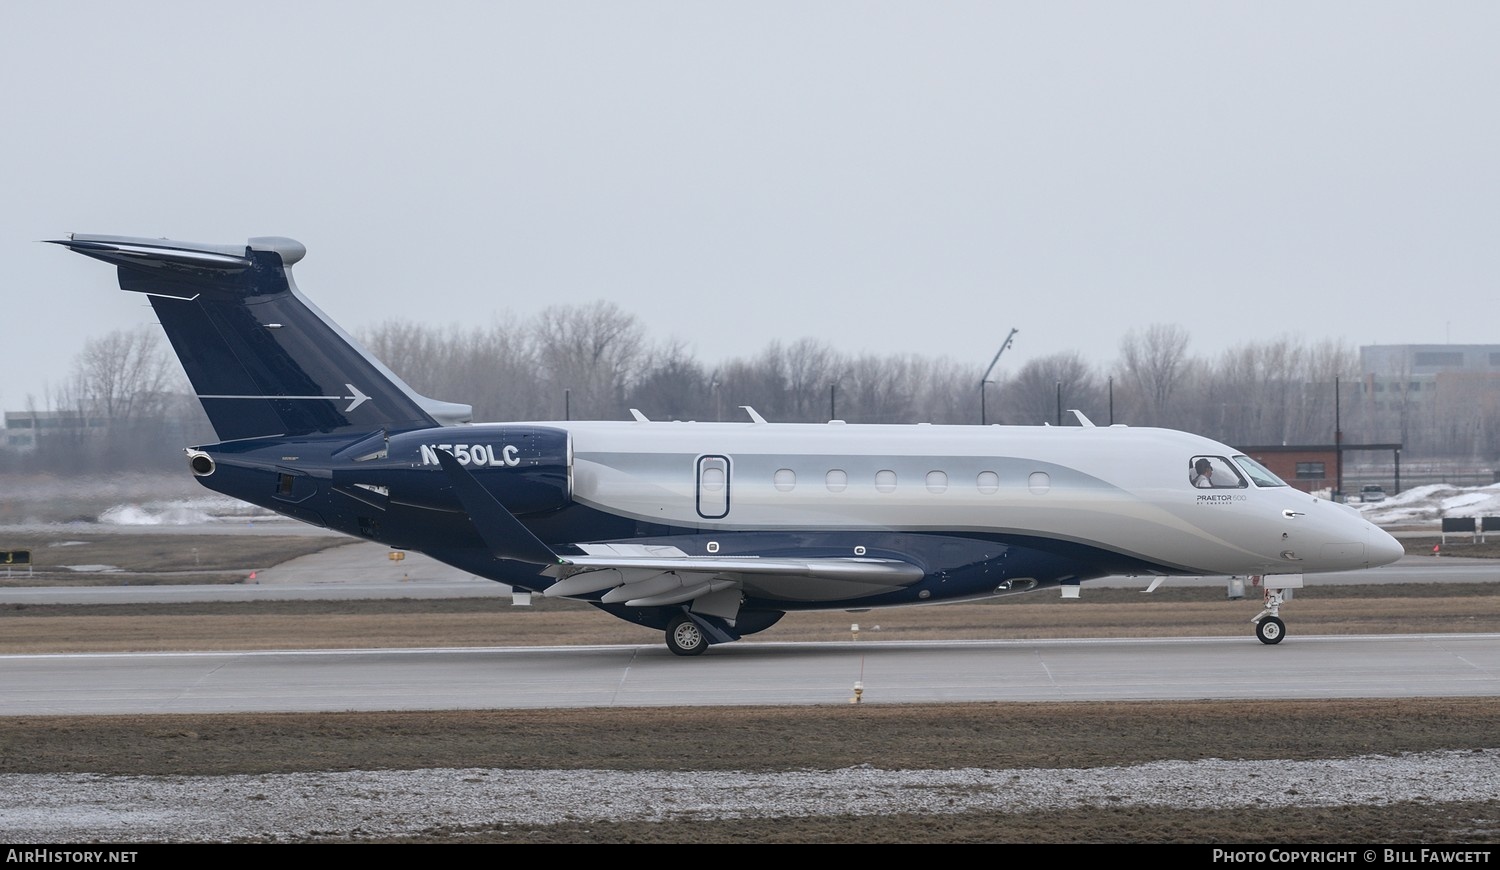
(889, 177)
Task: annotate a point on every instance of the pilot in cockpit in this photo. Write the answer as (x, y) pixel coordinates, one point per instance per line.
(1203, 474)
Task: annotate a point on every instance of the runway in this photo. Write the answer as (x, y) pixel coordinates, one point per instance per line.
(363, 570)
(1387, 666)
(747, 673)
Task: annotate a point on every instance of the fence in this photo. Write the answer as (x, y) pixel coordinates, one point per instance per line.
(1474, 527)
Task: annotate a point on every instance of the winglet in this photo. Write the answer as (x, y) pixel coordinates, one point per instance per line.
(501, 531)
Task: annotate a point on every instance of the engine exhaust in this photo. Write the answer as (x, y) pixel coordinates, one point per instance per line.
(201, 464)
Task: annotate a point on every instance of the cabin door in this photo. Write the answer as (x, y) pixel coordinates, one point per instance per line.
(713, 487)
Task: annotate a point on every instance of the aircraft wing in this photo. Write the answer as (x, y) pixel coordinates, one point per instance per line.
(653, 576)
(639, 575)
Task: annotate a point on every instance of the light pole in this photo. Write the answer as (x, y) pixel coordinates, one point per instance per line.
(1338, 447)
(986, 379)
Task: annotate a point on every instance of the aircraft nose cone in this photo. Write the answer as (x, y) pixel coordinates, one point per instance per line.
(1383, 548)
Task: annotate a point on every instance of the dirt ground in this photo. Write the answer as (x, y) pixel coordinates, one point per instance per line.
(1046, 735)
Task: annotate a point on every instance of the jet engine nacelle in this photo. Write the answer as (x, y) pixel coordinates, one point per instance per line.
(529, 469)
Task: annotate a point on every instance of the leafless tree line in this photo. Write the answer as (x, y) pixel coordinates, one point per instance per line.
(598, 362)
(125, 406)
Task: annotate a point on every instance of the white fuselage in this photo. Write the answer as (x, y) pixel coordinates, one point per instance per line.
(1116, 488)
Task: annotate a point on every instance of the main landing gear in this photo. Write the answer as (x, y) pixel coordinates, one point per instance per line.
(684, 637)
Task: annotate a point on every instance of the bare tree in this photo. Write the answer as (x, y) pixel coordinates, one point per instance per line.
(760, 382)
(947, 393)
(889, 389)
(1246, 395)
(1154, 364)
(1032, 397)
(1315, 411)
(593, 354)
(491, 368)
(123, 406)
(495, 369)
(673, 386)
(123, 376)
(812, 367)
(415, 352)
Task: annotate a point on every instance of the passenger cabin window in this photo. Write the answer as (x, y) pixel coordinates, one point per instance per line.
(785, 480)
(837, 480)
(1214, 472)
(988, 482)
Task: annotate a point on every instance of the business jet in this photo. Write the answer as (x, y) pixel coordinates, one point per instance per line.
(706, 531)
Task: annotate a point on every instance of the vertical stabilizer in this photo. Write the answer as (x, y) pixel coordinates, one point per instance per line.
(262, 359)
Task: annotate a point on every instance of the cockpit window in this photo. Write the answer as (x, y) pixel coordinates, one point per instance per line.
(1214, 472)
(1258, 473)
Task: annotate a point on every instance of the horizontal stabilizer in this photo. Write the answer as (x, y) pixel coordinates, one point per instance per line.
(167, 256)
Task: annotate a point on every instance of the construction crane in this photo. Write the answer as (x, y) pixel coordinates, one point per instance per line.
(987, 372)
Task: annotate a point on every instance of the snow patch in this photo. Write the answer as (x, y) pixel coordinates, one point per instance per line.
(182, 512)
(1433, 502)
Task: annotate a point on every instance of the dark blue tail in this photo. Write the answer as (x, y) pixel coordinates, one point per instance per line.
(262, 359)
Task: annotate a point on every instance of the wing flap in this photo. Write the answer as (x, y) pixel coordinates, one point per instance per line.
(882, 572)
(655, 580)
(658, 584)
(685, 593)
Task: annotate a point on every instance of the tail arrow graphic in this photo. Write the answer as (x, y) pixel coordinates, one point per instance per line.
(359, 398)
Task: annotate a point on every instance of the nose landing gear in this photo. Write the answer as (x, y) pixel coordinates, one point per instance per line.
(1269, 628)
